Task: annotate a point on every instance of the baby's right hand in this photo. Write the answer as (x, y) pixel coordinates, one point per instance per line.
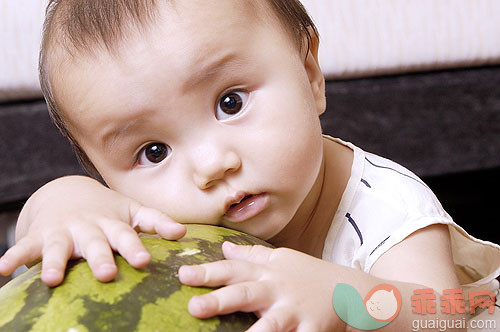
(76, 216)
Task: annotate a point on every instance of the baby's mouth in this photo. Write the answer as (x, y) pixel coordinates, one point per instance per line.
(234, 200)
(235, 204)
(246, 207)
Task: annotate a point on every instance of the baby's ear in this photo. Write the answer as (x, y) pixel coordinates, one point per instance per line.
(316, 78)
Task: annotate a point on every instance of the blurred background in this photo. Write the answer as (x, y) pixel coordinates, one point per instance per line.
(416, 81)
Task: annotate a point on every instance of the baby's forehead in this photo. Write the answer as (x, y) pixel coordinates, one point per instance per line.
(184, 31)
(90, 37)
(84, 27)
(174, 17)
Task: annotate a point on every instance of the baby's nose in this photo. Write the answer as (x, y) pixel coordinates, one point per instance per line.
(215, 166)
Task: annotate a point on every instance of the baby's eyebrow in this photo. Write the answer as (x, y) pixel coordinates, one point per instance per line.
(210, 70)
(110, 137)
(207, 70)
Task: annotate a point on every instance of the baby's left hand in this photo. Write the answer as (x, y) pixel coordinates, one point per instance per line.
(288, 290)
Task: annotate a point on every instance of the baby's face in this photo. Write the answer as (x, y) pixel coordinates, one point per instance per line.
(209, 106)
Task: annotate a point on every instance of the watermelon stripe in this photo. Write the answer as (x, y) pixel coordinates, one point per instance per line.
(38, 296)
(102, 316)
(241, 319)
(157, 285)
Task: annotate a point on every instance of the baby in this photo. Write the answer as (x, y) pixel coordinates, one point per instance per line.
(207, 111)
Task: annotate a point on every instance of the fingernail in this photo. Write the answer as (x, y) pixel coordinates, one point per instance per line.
(191, 274)
(3, 265)
(51, 273)
(107, 268)
(51, 277)
(229, 245)
(198, 306)
(141, 255)
(189, 270)
(180, 226)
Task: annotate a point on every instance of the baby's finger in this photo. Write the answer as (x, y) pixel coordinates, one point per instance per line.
(27, 250)
(126, 241)
(150, 220)
(252, 253)
(277, 319)
(56, 253)
(96, 250)
(246, 297)
(225, 272)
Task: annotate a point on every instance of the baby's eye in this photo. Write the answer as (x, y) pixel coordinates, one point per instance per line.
(230, 104)
(153, 153)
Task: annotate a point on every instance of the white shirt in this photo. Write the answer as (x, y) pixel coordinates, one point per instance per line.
(382, 204)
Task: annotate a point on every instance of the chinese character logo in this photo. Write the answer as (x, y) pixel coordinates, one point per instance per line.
(453, 301)
(380, 306)
(423, 301)
(482, 299)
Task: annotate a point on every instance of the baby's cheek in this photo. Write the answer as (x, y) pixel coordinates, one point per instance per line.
(182, 205)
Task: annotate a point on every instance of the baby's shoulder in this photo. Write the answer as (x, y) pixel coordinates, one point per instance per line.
(388, 195)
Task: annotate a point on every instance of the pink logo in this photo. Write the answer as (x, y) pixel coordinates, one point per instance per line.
(383, 302)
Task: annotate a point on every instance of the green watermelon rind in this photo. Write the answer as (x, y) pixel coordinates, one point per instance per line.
(143, 298)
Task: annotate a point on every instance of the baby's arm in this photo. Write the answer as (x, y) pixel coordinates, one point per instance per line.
(76, 216)
(290, 290)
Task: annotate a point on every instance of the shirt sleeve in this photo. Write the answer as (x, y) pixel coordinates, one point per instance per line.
(391, 203)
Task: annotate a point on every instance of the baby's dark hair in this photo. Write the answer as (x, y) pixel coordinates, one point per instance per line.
(80, 27)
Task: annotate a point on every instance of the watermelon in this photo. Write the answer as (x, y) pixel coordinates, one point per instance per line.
(147, 299)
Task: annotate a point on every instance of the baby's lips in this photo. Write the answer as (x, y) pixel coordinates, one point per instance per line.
(247, 208)
(234, 199)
